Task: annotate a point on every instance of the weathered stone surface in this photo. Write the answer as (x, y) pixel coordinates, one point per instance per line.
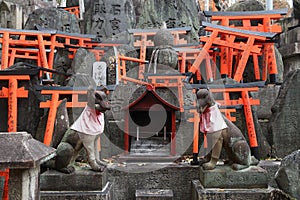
(284, 122)
(247, 5)
(61, 124)
(226, 177)
(83, 179)
(289, 37)
(178, 13)
(109, 19)
(271, 166)
(201, 193)
(138, 8)
(267, 96)
(24, 183)
(62, 63)
(288, 176)
(290, 54)
(20, 150)
(277, 194)
(83, 62)
(52, 18)
(280, 66)
(290, 49)
(105, 194)
(153, 194)
(296, 8)
(129, 177)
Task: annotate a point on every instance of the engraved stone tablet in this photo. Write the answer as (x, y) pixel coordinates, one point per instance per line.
(99, 73)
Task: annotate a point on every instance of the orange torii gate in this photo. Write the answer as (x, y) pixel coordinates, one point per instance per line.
(12, 93)
(144, 40)
(23, 43)
(73, 10)
(244, 101)
(52, 104)
(186, 56)
(247, 47)
(155, 80)
(38, 45)
(255, 21)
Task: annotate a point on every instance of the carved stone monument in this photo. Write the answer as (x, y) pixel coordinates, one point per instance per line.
(109, 18)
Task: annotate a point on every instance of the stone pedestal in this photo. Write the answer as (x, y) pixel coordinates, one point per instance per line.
(153, 194)
(225, 183)
(23, 155)
(201, 193)
(82, 184)
(80, 180)
(225, 177)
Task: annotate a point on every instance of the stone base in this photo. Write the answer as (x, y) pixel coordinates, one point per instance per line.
(199, 193)
(153, 194)
(105, 194)
(271, 166)
(81, 180)
(225, 177)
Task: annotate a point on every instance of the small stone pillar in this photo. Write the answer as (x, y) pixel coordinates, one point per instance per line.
(23, 155)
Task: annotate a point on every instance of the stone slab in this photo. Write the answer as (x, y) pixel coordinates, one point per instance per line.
(80, 180)
(153, 194)
(105, 194)
(289, 50)
(226, 177)
(201, 193)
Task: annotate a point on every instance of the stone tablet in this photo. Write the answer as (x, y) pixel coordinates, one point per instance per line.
(99, 73)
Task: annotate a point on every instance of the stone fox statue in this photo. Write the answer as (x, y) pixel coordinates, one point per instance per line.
(84, 133)
(221, 132)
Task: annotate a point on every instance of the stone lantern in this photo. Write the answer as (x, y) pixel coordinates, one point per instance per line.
(23, 155)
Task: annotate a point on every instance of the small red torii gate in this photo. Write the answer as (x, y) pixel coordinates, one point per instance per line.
(262, 21)
(216, 38)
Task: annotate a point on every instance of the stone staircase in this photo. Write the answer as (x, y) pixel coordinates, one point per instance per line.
(149, 150)
(154, 146)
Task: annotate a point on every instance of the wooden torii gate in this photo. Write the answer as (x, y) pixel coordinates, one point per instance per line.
(247, 45)
(262, 21)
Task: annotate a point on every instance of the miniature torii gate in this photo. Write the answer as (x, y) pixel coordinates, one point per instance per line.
(155, 80)
(38, 45)
(246, 48)
(253, 21)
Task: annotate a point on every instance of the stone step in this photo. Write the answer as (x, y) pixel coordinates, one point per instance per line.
(153, 194)
(146, 150)
(201, 193)
(105, 193)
